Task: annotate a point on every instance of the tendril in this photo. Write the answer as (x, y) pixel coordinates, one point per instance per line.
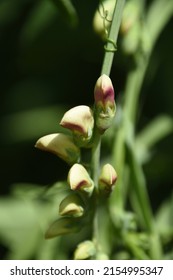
(113, 49)
(104, 15)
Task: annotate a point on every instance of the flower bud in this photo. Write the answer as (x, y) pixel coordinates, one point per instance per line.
(81, 122)
(103, 17)
(61, 145)
(85, 250)
(101, 256)
(79, 179)
(71, 205)
(131, 14)
(107, 179)
(131, 40)
(104, 102)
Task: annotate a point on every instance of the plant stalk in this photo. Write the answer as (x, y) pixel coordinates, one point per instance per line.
(106, 69)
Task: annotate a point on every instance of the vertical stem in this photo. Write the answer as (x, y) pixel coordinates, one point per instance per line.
(133, 88)
(112, 37)
(95, 161)
(106, 68)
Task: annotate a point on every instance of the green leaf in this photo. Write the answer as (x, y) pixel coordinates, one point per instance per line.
(57, 189)
(23, 218)
(21, 226)
(163, 8)
(133, 242)
(158, 129)
(63, 226)
(139, 190)
(164, 219)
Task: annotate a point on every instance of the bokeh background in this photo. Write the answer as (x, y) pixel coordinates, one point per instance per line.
(49, 62)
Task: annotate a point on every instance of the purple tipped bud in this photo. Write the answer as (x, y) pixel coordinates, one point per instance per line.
(104, 91)
(105, 103)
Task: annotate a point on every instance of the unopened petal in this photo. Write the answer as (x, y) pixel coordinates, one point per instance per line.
(104, 91)
(79, 179)
(107, 178)
(104, 103)
(79, 119)
(85, 250)
(81, 122)
(61, 145)
(71, 205)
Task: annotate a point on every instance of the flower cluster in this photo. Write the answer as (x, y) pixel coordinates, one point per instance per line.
(83, 122)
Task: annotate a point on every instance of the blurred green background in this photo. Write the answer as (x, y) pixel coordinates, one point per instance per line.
(49, 62)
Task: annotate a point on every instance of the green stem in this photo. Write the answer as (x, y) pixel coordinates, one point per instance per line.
(95, 160)
(112, 37)
(133, 87)
(106, 68)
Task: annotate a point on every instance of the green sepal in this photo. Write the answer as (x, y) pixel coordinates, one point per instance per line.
(63, 226)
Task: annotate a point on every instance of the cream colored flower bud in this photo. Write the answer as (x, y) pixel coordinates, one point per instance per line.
(107, 179)
(131, 15)
(131, 40)
(71, 205)
(81, 122)
(103, 17)
(131, 27)
(79, 179)
(104, 102)
(61, 145)
(85, 250)
(101, 256)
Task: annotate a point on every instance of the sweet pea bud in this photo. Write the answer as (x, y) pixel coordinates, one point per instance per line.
(107, 179)
(103, 17)
(85, 250)
(79, 179)
(61, 145)
(81, 122)
(131, 40)
(101, 256)
(71, 205)
(104, 102)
